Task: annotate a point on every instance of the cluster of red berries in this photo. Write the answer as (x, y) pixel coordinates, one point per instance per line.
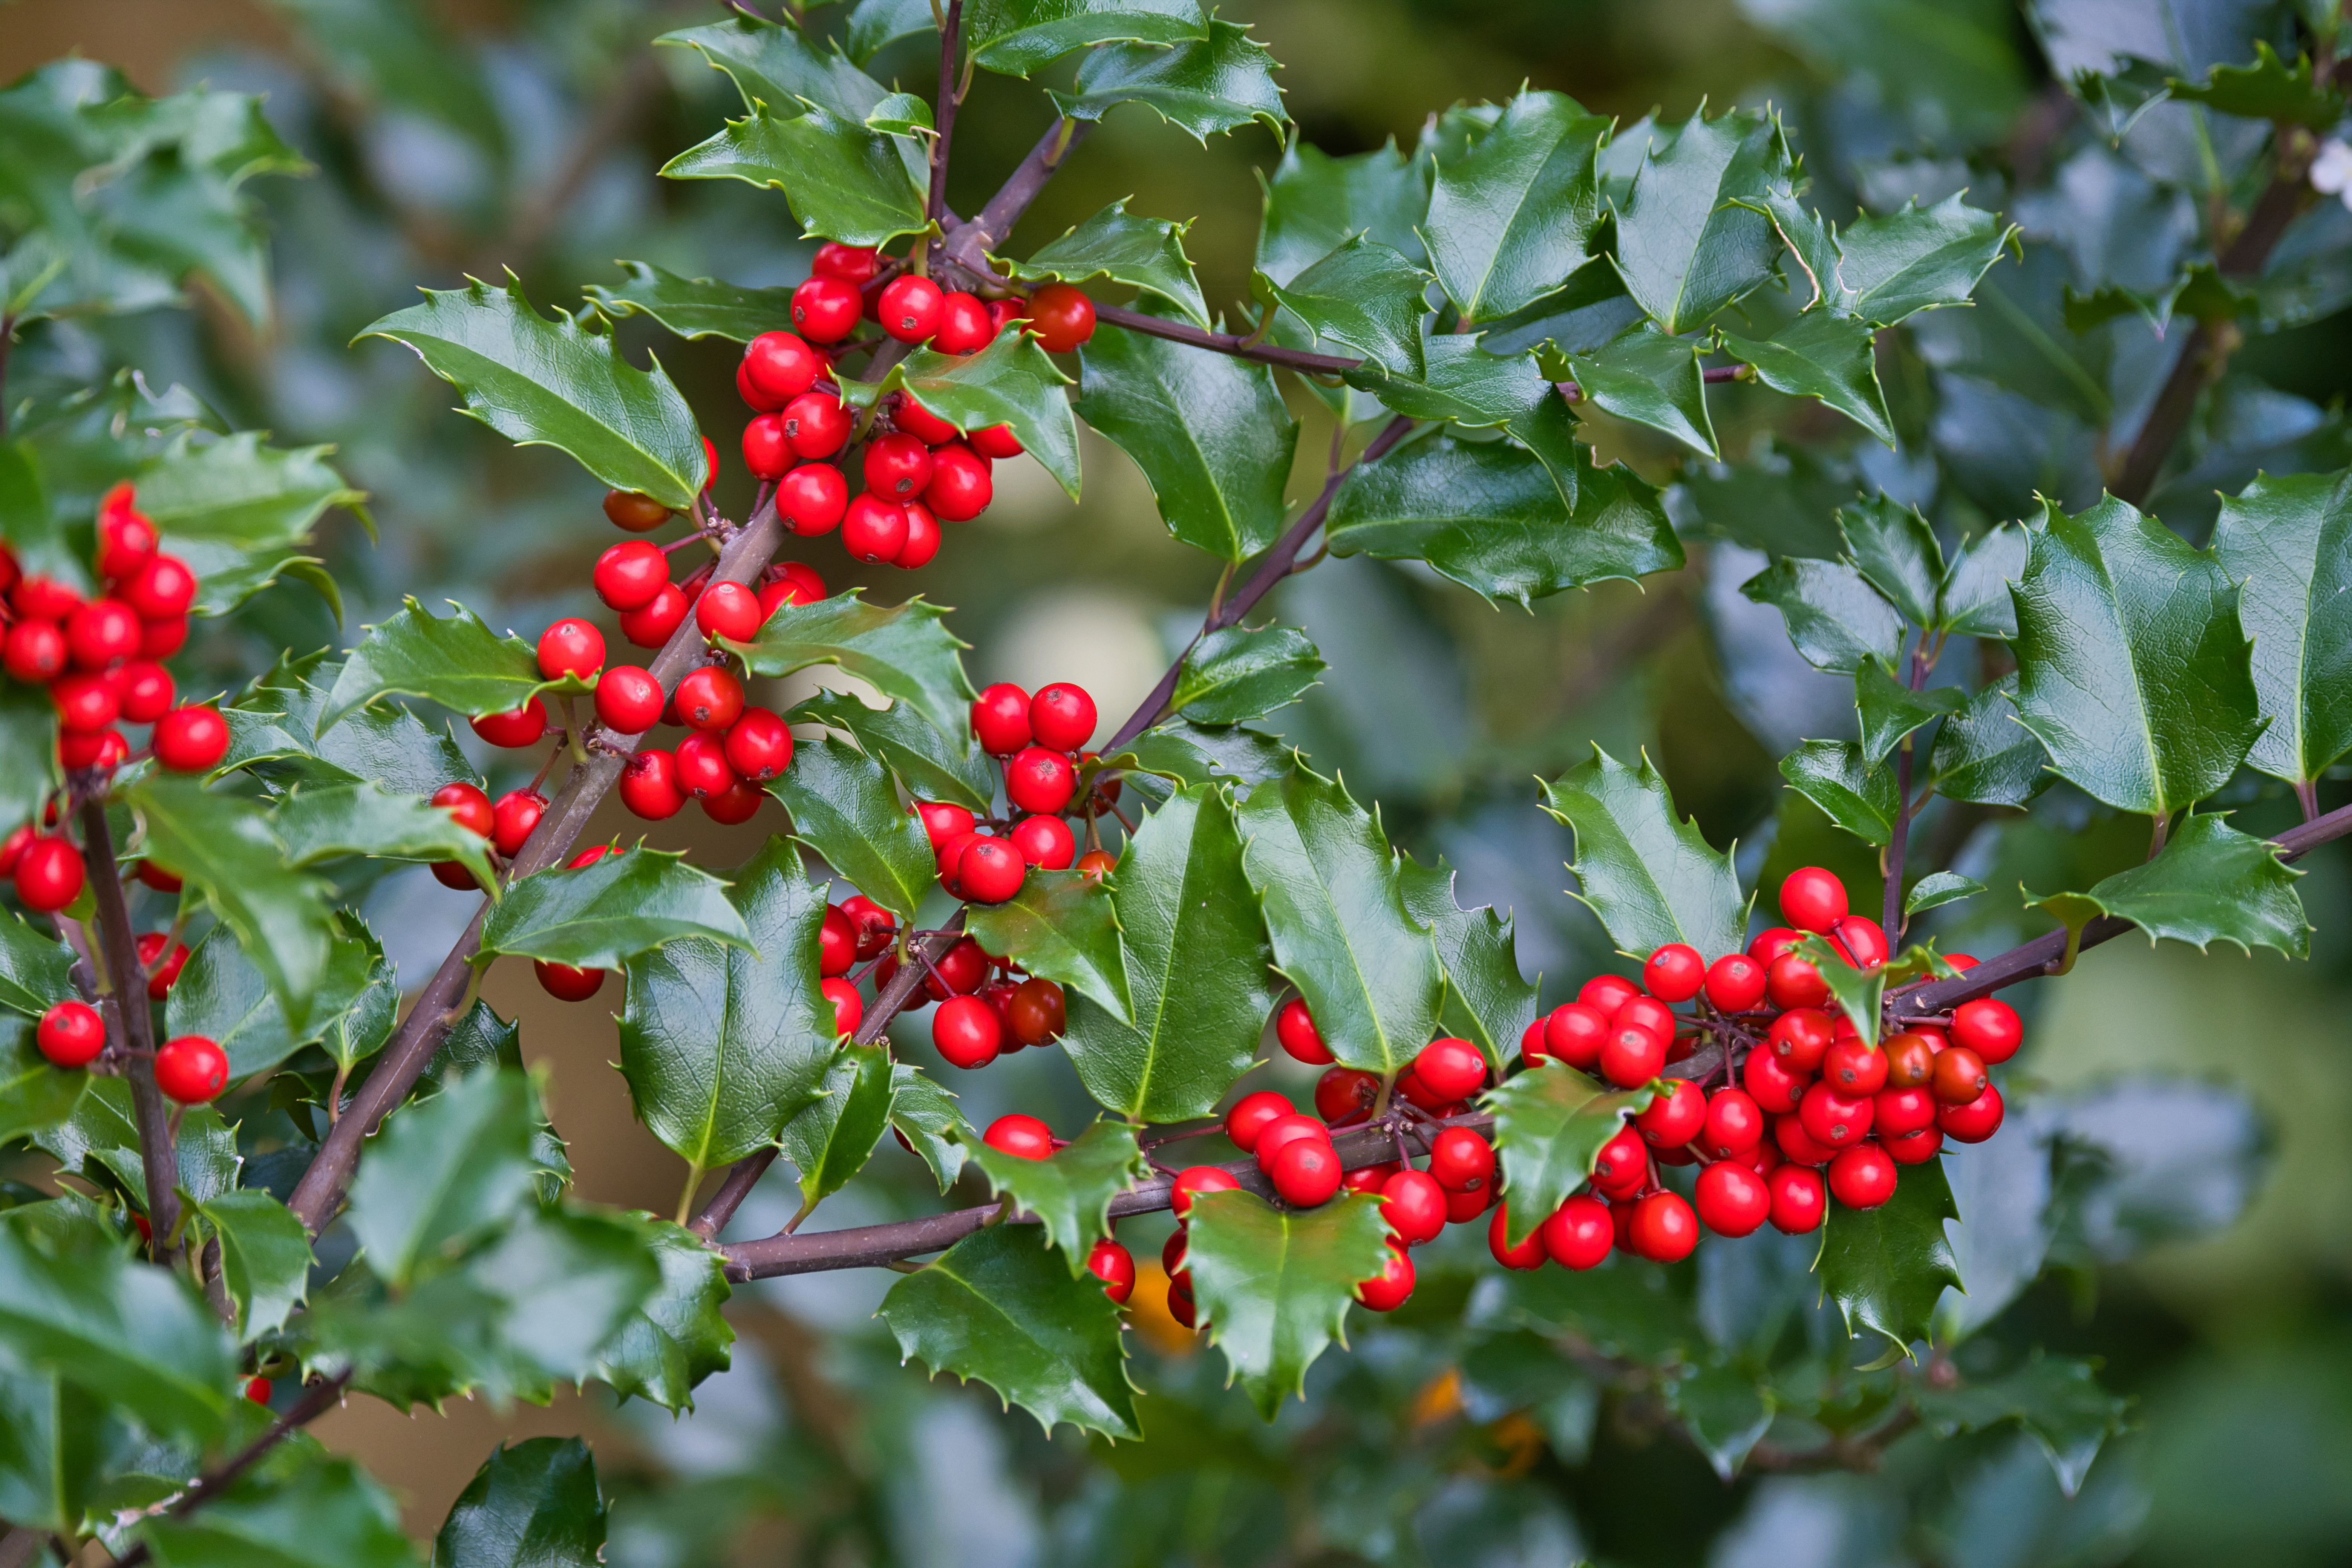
(100, 659)
(988, 1007)
(189, 1068)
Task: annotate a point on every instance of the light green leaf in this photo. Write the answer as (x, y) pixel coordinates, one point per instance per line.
(932, 766)
(876, 24)
(601, 915)
(1487, 1001)
(534, 1505)
(1855, 992)
(1511, 218)
(2267, 89)
(1857, 794)
(1821, 355)
(925, 1115)
(442, 1172)
(1647, 873)
(1272, 1286)
(1937, 888)
(1011, 381)
(1885, 1268)
(1365, 296)
(1686, 247)
(273, 731)
(841, 180)
(904, 651)
(265, 1258)
(1145, 253)
(1061, 925)
(843, 807)
(1016, 37)
(1835, 617)
(2211, 883)
(1975, 599)
(694, 307)
(1070, 1190)
(458, 662)
(333, 820)
(1550, 1125)
(36, 969)
(2287, 540)
(829, 1141)
(1650, 379)
(1238, 672)
(1204, 87)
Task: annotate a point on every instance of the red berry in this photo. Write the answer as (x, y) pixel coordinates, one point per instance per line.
(1281, 1129)
(952, 861)
(703, 771)
(1573, 1034)
(513, 815)
(1833, 1119)
(1344, 1095)
(1914, 1148)
(729, 610)
(710, 698)
(1023, 1137)
(999, 719)
(1736, 982)
(919, 422)
(959, 487)
(1061, 316)
(780, 365)
(1801, 1038)
(163, 637)
(654, 626)
(1853, 1068)
(1451, 1069)
(1529, 1253)
(1388, 1290)
(1306, 1172)
(1771, 1084)
(1040, 781)
(848, 1007)
(1788, 1135)
(35, 651)
(191, 739)
(1112, 1263)
(964, 325)
(1813, 898)
(162, 970)
(630, 573)
(1580, 1233)
(566, 983)
(1675, 973)
(1772, 943)
(649, 785)
(628, 700)
(50, 875)
(789, 582)
(1646, 1013)
(967, 1032)
(1413, 1204)
(1862, 940)
(909, 309)
(875, 924)
(1674, 1117)
(826, 309)
(1607, 992)
(958, 971)
(1193, 1180)
(897, 466)
(1663, 1228)
(812, 497)
(942, 821)
(1989, 1026)
(100, 632)
(1250, 1114)
(922, 537)
(191, 1069)
(1798, 1198)
(1531, 1043)
(256, 1389)
(42, 598)
(86, 702)
(1061, 717)
(1046, 841)
(71, 1034)
(1959, 1075)
(753, 398)
(1623, 1163)
(571, 646)
(468, 806)
(768, 447)
(1631, 1057)
(1293, 1028)
(1461, 1160)
(990, 870)
(1792, 983)
(850, 263)
(1732, 1199)
(146, 690)
(125, 540)
(997, 441)
(836, 946)
(1461, 1208)
(1862, 1177)
(759, 745)
(1898, 1112)
(874, 529)
(815, 424)
(160, 590)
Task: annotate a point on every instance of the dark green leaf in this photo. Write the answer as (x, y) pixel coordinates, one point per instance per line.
(695, 307)
(2211, 883)
(1684, 247)
(1209, 431)
(1857, 794)
(56, 1442)
(2056, 1399)
(1061, 925)
(28, 729)
(551, 382)
(2131, 667)
(1145, 253)
(1984, 755)
(36, 969)
(1886, 1267)
(1315, 201)
(1000, 1308)
(830, 1141)
(1835, 617)
(1512, 217)
(1239, 672)
(601, 915)
(315, 1512)
(1011, 381)
(331, 820)
(273, 731)
(1650, 379)
(1975, 599)
(1272, 1285)
(1550, 1125)
(876, 24)
(925, 1115)
(720, 1045)
(223, 995)
(1218, 83)
(1647, 873)
(535, 1505)
(236, 511)
(1477, 390)
(1725, 1410)
(1937, 888)
(100, 1141)
(843, 807)
(680, 1336)
(1365, 296)
(2267, 89)
(1328, 884)
(1912, 259)
(779, 66)
(841, 180)
(1069, 1191)
(34, 1096)
(265, 1258)
(442, 1171)
(1896, 553)
(1202, 753)
(1822, 355)
(933, 766)
(1487, 1001)
(1890, 710)
(1016, 37)
(904, 651)
(2287, 540)
(458, 662)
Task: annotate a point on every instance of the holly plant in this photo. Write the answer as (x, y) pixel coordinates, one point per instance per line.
(267, 1175)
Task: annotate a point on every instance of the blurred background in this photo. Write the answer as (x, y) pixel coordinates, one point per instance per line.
(2214, 1273)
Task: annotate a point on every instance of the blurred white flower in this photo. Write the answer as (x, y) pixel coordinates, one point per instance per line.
(2331, 172)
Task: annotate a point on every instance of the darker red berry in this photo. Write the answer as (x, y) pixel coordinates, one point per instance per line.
(1294, 1027)
(1062, 317)
(653, 626)
(1989, 1026)
(630, 573)
(649, 785)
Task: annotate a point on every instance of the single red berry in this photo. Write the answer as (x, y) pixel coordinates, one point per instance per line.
(874, 529)
(513, 816)
(999, 719)
(922, 537)
(812, 497)
(1732, 1200)
(160, 590)
(146, 689)
(1663, 1228)
(1675, 973)
(942, 821)
(162, 969)
(1862, 940)
(1062, 317)
(1771, 1084)
(71, 1034)
(1854, 1068)
(958, 971)
(1529, 1253)
(571, 646)
(1192, 1181)
(654, 626)
(848, 1007)
(897, 466)
(789, 583)
(1798, 1200)
(1623, 1163)
(1041, 781)
(836, 946)
(738, 804)
(875, 926)
(468, 806)
(815, 426)
(1461, 1208)
(1772, 943)
(1371, 1179)
(50, 875)
(759, 745)
(1461, 1160)
(1573, 1034)
(1001, 311)
(1112, 1263)
(1607, 992)
(191, 1069)
(1913, 1148)
(84, 702)
(1306, 1172)
(1344, 1095)
(1097, 864)
(850, 263)
(1862, 1178)
(729, 610)
(1898, 1112)
(13, 846)
(1792, 983)
(1046, 841)
(191, 739)
(964, 325)
(1020, 1136)
(959, 487)
(43, 598)
(84, 749)
(628, 700)
(566, 983)
(780, 366)
(1674, 1117)
(1646, 1013)
(1416, 1092)
(967, 1032)
(919, 422)
(990, 870)
(35, 652)
(125, 541)
(633, 511)
(909, 309)
(753, 398)
(256, 1389)
(1736, 982)
(1959, 1075)
(630, 573)
(590, 856)
(1036, 1012)
(1531, 1043)
(1578, 1234)
(1801, 1038)
(1451, 1069)
(1813, 898)
(1910, 1060)
(950, 861)
(825, 309)
(162, 639)
(997, 441)
(1833, 1119)
(1294, 1029)
(768, 445)
(1413, 1204)
(1989, 1026)
(101, 633)
(1389, 1289)
(1788, 1135)
(1631, 1057)
(703, 770)
(649, 785)
(710, 698)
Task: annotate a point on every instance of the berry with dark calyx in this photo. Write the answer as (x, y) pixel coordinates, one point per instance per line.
(1631, 1057)
(70, 1034)
(780, 366)
(897, 467)
(710, 698)
(86, 702)
(1798, 1199)
(999, 719)
(191, 1069)
(1734, 983)
(630, 573)
(1061, 316)
(513, 815)
(1046, 841)
(826, 309)
(874, 529)
(990, 870)
(1463, 1207)
(922, 537)
(1451, 1069)
(1580, 1234)
(634, 512)
(160, 590)
(1959, 1075)
(1813, 898)
(1789, 1136)
(909, 309)
(848, 1007)
(942, 821)
(1622, 1162)
(1674, 1117)
(812, 497)
(566, 983)
(1771, 1084)
(1791, 983)
(959, 487)
(1646, 1013)
(875, 925)
(1413, 1204)
(1731, 1199)
(1023, 1137)
(836, 944)
(1663, 1228)
(653, 626)
(1295, 1031)
(1862, 1178)
(1461, 1160)
(1344, 1095)
(35, 652)
(815, 426)
(964, 325)
(919, 422)
(1860, 940)
(759, 745)
(1913, 1148)
(1574, 1033)
(1853, 1068)
(50, 875)
(1910, 1060)
(162, 969)
(729, 610)
(1833, 1119)
(1897, 1112)
(1989, 1026)
(1527, 1255)
(1037, 1012)
(850, 263)
(997, 442)
(1675, 973)
(628, 700)
(649, 785)
(966, 1032)
(101, 633)
(1306, 1172)
(1607, 992)
(571, 646)
(1037, 780)
(702, 767)
(1112, 1263)
(1801, 1038)
(1392, 1287)
(190, 739)
(1190, 1183)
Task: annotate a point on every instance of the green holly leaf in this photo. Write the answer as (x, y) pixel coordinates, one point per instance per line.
(1314, 201)
(34, 1096)
(2211, 883)
(542, 382)
(694, 307)
(1202, 754)
(265, 1258)
(1069, 1191)
(1937, 888)
(1016, 37)
(1686, 246)
(1513, 216)
(1487, 1001)
(1204, 87)
(1890, 710)
(844, 807)
(224, 995)
(482, 1041)
(2131, 666)
(1834, 616)
(273, 728)
(56, 1439)
(830, 1139)
(335, 820)
(2056, 1399)
(1239, 672)
(100, 1141)
(238, 511)
(1364, 296)
(1489, 516)
(1478, 390)
(1726, 1411)
(1647, 873)
(1886, 1267)
(876, 24)
(458, 662)
(1196, 960)
(931, 765)
(74, 1301)
(1550, 1124)
(28, 729)
(1145, 253)
(36, 969)
(780, 66)
(1209, 431)
(1856, 794)
(721, 1045)
(601, 915)
(925, 1115)
(1883, 269)
(1975, 600)
(442, 1172)
(303, 1511)
(1822, 355)
(1854, 992)
(1897, 553)
(535, 1505)
(1272, 1285)
(1983, 754)
(2267, 89)
(223, 846)
(1648, 378)
(1011, 381)
(1061, 925)
(1327, 882)
(999, 1307)
(2287, 542)
(904, 651)
(843, 180)
(679, 1335)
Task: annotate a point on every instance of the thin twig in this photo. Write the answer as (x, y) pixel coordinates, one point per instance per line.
(950, 38)
(972, 240)
(158, 1160)
(314, 1403)
(1235, 344)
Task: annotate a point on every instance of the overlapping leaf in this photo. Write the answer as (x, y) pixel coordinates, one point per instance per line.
(442, 1172)
(1145, 253)
(265, 1257)
(904, 651)
(694, 307)
(1070, 1190)
(1011, 381)
(2211, 883)
(1363, 296)
(601, 915)
(1885, 1268)
(1487, 1001)
(780, 66)
(1204, 87)
(1686, 247)
(1646, 872)
(1649, 378)
(1239, 672)
(678, 1336)
(2287, 540)
(829, 1141)
(533, 1505)
(1511, 218)
(1821, 355)
(1856, 794)
(457, 662)
(843, 807)
(841, 178)
(1550, 1125)
(36, 969)
(1834, 616)
(1062, 925)
(335, 820)
(1272, 1286)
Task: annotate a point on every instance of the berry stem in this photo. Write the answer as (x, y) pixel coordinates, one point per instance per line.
(135, 1027)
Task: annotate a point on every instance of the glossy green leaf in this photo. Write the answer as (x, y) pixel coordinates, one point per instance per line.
(679, 1335)
(1061, 925)
(1487, 1001)
(1202, 754)
(534, 1505)
(442, 1172)
(273, 728)
(694, 307)
(236, 512)
(34, 1095)
(1069, 1191)
(1478, 390)
(1550, 1124)
(2211, 883)
(1983, 754)
(1890, 710)
(1314, 201)
(999, 1307)
(2056, 1399)
(2268, 89)
(481, 1041)
(1016, 37)
(36, 969)
(932, 765)
(314, 1513)
(876, 24)
(265, 1258)
(1327, 882)
(841, 180)
(1145, 253)
(1834, 616)
(1857, 794)
(223, 995)
(1205, 87)
(1896, 553)
(2131, 666)
(333, 820)
(1855, 992)
(1011, 381)
(904, 651)
(1684, 245)
(1937, 888)
(552, 383)
(925, 1115)
(1821, 355)
(1883, 269)
(457, 662)
(1272, 1286)
(1363, 296)
(1975, 599)
(1489, 516)
(27, 747)
(56, 1441)
(1241, 672)
(1208, 431)
(1650, 379)
(780, 66)
(1511, 217)
(2287, 540)
(1886, 1267)
(1197, 964)
(100, 1141)
(1646, 872)
(843, 807)
(720, 1045)
(601, 915)
(830, 1139)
